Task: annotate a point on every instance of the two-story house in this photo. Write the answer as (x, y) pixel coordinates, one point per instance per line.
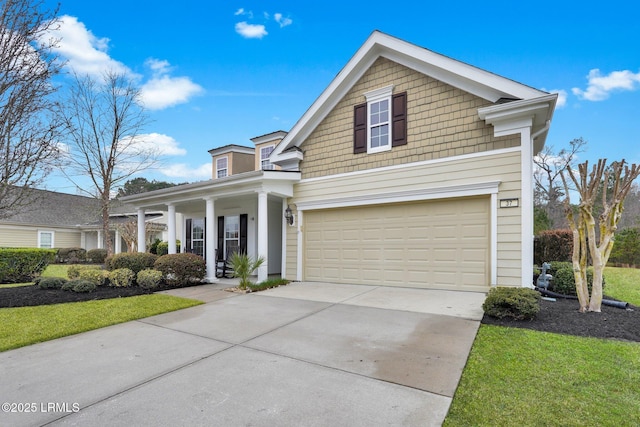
(410, 169)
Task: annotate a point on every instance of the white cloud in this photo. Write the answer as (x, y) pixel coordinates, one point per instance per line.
(163, 145)
(562, 97)
(239, 11)
(600, 87)
(85, 53)
(162, 91)
(282, 20)
(184, 171)
(250, 31)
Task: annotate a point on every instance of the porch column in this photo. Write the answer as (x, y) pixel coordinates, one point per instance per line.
(209, 236)
(263, 235)
(100, 241)
(117, 242)
(171, 223)
(142, 238)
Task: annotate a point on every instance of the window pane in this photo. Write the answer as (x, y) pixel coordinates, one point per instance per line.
(45, 240)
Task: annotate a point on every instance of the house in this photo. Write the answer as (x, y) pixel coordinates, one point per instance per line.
(410, 169)
(60, 220)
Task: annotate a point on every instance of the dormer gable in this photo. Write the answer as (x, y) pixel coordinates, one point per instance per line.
(231, 160)
(265, 144)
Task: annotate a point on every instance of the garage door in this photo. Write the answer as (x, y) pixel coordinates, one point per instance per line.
(438, 244)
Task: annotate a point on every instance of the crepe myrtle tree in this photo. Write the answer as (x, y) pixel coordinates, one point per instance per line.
(104, 118)
(610, 186)
(29, 127)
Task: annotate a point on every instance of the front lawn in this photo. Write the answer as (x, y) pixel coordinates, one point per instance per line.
(23, 326)
(527, 378)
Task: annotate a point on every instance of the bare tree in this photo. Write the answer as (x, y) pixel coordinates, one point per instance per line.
(612, 185)
(549, 191)
(104, 118)
(129, 232)
(29, 127)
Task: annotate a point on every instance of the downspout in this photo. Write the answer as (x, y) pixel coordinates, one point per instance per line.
(541, 131)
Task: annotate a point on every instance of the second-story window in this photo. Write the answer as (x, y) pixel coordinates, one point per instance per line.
(222, 167)
(265, 152)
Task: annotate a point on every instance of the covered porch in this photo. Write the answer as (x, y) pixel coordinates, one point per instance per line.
(243, 212)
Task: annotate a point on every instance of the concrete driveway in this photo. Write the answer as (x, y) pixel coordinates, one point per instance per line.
(312, 354)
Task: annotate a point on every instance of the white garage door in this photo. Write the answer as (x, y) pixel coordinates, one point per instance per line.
(438, 244)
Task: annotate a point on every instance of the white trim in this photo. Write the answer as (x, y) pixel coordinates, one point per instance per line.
(53, 237)
(263, 159)
(527, 206)
(283, 240)
(476, 189)
(415, 164)
(218, 169)
(374, 97)
(300, 248)
(494, 239)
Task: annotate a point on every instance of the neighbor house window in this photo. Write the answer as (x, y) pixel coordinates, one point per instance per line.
(222, 167)
(45, 239)
(380, 123)
(265, 152)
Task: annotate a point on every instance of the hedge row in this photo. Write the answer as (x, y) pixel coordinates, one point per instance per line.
(23, 264)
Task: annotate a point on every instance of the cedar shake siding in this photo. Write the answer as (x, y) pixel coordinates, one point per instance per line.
(441, 121)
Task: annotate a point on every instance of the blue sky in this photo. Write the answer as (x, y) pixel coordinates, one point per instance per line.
(217, 73)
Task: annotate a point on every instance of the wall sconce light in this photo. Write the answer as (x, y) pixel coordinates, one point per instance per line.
(288, 215)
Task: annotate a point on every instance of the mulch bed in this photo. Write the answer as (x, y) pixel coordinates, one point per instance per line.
(563, 317)
(560, 317)
(23, 296)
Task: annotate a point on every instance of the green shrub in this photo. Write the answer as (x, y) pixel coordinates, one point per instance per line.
(149, 278)
(181, 269)
(154, 247)
(83, 286)
(97, 256)
(564, 282)
(71, 255)
(268, 284)
(68, 286)
(553, 245)
(134, 261)
(162, 248)
(73, 271)
(23, 264)
(122, 277)
(517, 303)
(51, 282)
(93, 275)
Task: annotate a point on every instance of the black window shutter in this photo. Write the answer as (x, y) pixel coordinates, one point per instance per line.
(220, 237)
(244, 219)
(187, 247)
(399, 114)
(360, 128)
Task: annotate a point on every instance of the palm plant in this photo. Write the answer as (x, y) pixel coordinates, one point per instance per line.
(243, 266)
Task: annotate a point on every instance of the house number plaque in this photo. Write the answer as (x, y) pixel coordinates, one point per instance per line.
(509, 203)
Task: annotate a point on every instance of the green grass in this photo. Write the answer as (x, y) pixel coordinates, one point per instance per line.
(52, 270)
(528, 378)
(23, 326)
(623, 284)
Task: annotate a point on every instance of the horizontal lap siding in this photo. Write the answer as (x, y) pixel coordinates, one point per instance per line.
(503, 167)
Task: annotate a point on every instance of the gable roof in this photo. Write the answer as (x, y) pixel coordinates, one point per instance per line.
(481, 83)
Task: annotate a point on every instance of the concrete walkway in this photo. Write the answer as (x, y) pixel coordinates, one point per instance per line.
(305, 354)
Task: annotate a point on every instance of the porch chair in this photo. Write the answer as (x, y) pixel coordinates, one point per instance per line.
(223, 266)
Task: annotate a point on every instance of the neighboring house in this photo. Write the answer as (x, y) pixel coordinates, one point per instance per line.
(60, 220)
(410, 169)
